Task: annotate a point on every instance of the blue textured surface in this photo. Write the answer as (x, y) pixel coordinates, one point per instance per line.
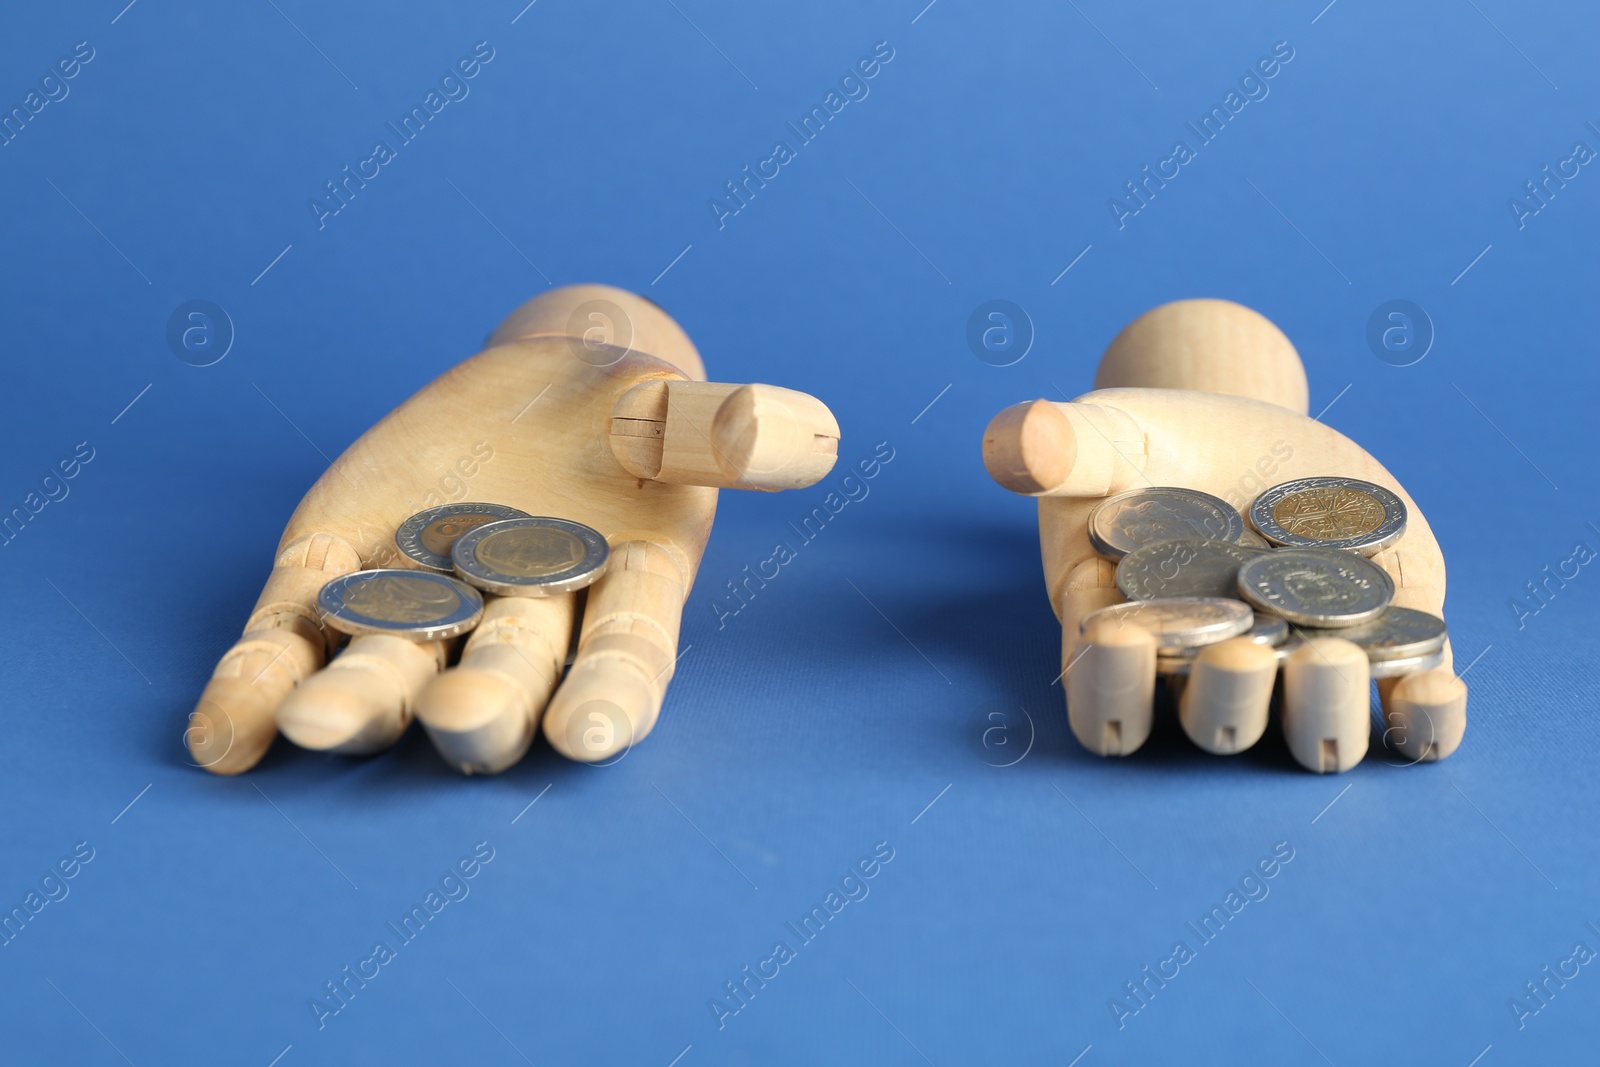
(807, 730)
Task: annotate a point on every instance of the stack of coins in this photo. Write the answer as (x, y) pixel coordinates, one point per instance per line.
(1195, 574)
(462, 551)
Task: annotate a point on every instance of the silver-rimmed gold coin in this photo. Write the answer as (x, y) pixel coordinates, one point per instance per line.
(1179, 622)
(1343, 513)
(534, 556)
(1317, 586)
(1122, 523)
(1397, 634)
(427, 536)
(1183, 566)
(420, 605)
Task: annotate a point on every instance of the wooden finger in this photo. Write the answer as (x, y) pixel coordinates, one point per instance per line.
(1111, 688)
(626, 652)
(723, 436)
(1049, 448)
(1224, 706)
(362, 701)
(481, 714)
(1325, 720)
(1425, 715)
(1090, 586)
(284, 642)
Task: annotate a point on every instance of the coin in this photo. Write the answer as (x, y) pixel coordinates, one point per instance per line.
(1377, 668)
(1317, 586)
(1269, 630)
(1179, 622)
(1344, 513)
(533, 556)
(426, 537)
(1251, 539)
(1122, 523)
(420, 605)
(1394, 668)
(1397, 634)
(1183, 566)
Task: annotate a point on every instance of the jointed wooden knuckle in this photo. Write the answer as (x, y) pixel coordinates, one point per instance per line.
(303, 567)
(276, 659)
(320, 552)
(1089, 586)
(723, 436)
(1046, 448)
(632, 618)
(283, 644)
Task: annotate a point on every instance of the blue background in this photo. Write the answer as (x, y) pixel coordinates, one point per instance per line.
(823, 718)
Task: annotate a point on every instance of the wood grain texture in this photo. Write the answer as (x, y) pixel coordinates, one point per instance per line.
(1211, 396)
(528, 423)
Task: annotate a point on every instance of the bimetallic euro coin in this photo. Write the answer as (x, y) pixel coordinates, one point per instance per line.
(419, 605)
(1317, 586)
(1343, 513)
(1183, 566)
(427, 536)
(1397, 634)
(1179, 622)
(1122, 523)
(534, 556)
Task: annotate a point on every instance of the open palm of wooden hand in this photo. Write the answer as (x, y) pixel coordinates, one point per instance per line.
(588, 404)
(1208, 395)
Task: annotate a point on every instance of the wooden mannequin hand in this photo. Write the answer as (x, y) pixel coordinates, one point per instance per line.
(1209, 395)
(626, 437)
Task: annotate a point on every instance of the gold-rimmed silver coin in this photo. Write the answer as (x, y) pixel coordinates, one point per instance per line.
(534, 556)
(427, 537)
(419, 605)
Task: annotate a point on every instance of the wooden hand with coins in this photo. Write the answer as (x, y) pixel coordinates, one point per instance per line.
(1196, 524)
(591, 449)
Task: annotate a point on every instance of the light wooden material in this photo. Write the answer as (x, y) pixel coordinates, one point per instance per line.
(1181, 341)
(234, 723)
(362, 701)
(1325, 721)
(1224, 705)
(482, 713)
(1204, 394)
(1080, 450)
(1424, 714)
(728, 436)
(527, 423)
(1111, 688)
(626, 655)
